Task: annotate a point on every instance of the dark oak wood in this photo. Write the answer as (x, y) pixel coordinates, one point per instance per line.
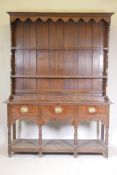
(59, 71)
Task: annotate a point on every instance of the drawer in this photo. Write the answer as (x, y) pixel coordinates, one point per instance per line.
(24, 109)
(92, 110)
(57, 110)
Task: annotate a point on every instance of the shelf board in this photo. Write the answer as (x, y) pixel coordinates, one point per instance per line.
(58, 77)
(58, 146)
(71, 48)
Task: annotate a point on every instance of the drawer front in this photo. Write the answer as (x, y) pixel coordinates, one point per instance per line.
(94, 110)
(57, 110)
(24, 109)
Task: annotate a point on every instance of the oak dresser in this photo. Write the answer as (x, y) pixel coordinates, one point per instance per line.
(59, 71)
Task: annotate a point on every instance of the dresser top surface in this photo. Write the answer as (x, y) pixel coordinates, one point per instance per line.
(59, 99)
(62, 13)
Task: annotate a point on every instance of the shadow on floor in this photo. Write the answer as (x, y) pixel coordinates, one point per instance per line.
(3, 150)
(112, 151)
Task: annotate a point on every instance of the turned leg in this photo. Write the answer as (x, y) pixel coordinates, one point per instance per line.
(9, 141)
(106, 141)
(102, 131)
(14, 130)
(75, 141)
(40, 141)
(97, 129)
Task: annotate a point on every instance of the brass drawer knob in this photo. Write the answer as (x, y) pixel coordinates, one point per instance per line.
(24, 109)
(91, 110)
(58, 110)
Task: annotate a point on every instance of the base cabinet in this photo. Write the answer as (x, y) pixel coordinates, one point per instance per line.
(41, 114)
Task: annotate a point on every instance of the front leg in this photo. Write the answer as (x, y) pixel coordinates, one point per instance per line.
(102, 131)
(14, 130)
(40, 140)
(9, 141)
(75, 141)
(106, 142)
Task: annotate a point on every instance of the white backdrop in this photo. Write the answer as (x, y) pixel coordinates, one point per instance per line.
(57, 130)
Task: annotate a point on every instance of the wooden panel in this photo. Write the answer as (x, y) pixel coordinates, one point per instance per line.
(24, 109)
(14, 34)
(92, 110)
(26, 35)
(55, 84)
(60, 34)
(19, 35)
(29, 68)
(56, 67)
(98, 68)
(70, 35)
(33, 68)
(41, 90)
(85, 34)
(19, 61)
(25, 65)
(52, 34)
(42, 63)
(42, 69)
(51, 110)
(71, 68)
(98, 63)
(32, 35)
(42, 35)
(42, 84)
(26, 83)
(98, 34)
(25, 117)
(60, 63)
(85, 67)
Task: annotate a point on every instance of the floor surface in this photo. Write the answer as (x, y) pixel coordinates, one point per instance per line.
(30, 164)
